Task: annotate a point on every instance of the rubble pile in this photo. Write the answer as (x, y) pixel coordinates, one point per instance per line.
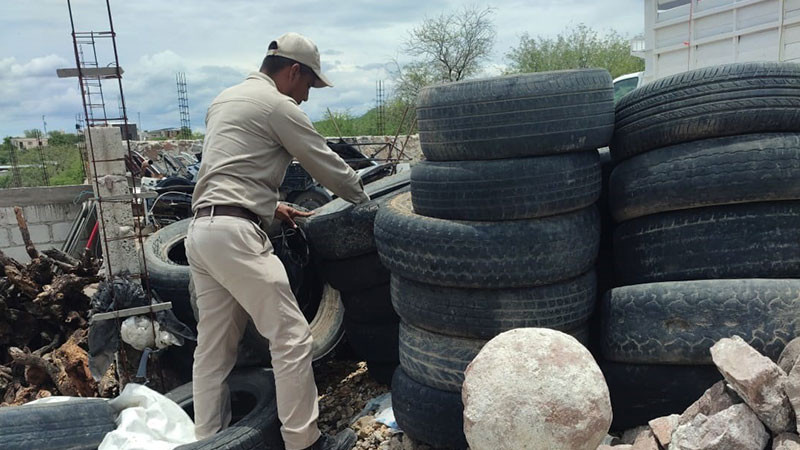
(43, 326)
(755, 407)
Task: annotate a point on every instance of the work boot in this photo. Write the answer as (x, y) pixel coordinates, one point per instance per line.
(344, 440)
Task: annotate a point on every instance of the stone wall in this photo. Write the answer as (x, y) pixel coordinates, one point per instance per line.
(49, 212)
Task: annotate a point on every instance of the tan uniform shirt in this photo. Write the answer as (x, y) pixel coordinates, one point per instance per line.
(252, 133)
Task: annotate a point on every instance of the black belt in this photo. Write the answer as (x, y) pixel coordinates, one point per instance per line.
(228, 210)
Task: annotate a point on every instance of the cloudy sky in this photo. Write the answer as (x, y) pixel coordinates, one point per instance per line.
(216, 43)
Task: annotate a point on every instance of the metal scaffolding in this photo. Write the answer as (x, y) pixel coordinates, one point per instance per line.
(183, 105)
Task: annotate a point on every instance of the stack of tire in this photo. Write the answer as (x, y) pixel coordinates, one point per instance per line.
(342, 240)
(499, 231)
(706, 191)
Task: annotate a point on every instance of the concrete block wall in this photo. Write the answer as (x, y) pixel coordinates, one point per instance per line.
(49, 212)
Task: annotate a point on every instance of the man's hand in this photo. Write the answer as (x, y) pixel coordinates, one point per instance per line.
(286, 213)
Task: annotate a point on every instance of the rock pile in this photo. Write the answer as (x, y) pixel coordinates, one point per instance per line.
(757, 404)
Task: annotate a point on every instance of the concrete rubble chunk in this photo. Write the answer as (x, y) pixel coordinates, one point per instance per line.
(757, 380)
(535, 388)
(792, 389)
(715, 399)
(786, 441)
(646, 441)
(789, 355)
(663, 427)
(735, 428)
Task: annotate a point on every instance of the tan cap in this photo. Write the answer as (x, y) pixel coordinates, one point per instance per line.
(300, 48)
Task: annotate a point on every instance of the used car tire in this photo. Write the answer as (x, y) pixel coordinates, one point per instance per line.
(373, 341)
(715, 101)
(506, 189)
(507, 254)
(516, 116)
(426, 414)
(485, 313)
(168, 268)
(678, 322)
(642, 392)
(341, 230)
(255, 423)
(370, 305)
(354, 274)
(74, 424)
(749, 240)
(738, 169)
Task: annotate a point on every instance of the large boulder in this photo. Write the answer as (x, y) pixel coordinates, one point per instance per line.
(757, 380)
(535, 388)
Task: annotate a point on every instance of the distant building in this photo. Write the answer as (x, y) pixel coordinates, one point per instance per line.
(163, 133)
(21, 143)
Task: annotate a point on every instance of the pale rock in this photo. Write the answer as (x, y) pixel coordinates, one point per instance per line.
(663, 427)
(789, 355)
(645, 441)
(715, 399)
(363, 426)
(615, 447)
(757, 380)
(735, 428)
(535, 388)
(786, 441)
(792, 389)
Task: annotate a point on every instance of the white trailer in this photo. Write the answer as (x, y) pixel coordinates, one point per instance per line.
(682, 35)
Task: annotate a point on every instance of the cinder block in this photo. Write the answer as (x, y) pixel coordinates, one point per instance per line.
(60, 230)
(18, 253)
(16, 236)
(7, 216)
(5, 238)
(31, 214)
(40, 234)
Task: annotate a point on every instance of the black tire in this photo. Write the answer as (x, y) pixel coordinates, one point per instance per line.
(355, 274)
(716, 101)
(516, 116)
(373, 305)
(310, 199)
(752, 240)
(485, 313)
(439, 361)
(506, 189)
(642, 392)
(739, 169)
(168, 268)
(74, 424)
(678, 322)
(373, 342)
(508, 254)
(426, 414)
(341, 230)
(255, 423)
(381, 372)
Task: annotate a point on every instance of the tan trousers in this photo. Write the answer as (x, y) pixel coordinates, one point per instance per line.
(236, 275)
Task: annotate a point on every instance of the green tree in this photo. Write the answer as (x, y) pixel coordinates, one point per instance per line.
(33, 133)
(578, 48)
(59, 138)
(449, 47)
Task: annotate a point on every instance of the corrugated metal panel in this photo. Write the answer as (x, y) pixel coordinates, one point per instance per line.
(758, 46)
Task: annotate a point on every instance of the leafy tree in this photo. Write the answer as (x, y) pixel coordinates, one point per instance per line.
(33, 133)
(446, 48)
(577, 48)
(59, 138)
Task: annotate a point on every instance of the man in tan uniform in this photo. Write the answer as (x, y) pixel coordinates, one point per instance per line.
(253, 130)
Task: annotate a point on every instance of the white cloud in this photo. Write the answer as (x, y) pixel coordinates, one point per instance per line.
(216, 44)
